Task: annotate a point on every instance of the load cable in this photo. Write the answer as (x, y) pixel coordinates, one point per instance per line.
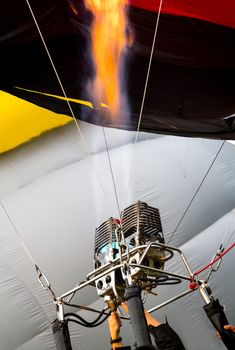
(18, 234)
(66, 99)
(41, 276)
(111, 171)
(227, 237)
(143, 100)
(196, 192)
(29, 255)
(220, 250)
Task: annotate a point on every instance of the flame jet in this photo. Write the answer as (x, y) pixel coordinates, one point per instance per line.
(108, 44)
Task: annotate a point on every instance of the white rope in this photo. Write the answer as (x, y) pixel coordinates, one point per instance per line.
(143, 100)
(67, 101)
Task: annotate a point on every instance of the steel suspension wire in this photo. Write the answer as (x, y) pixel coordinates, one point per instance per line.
(25, 249)
(66, 98)
(143, 99)
(111, 171)
(227, 236)
(18, 234)
(198, 189)
(227, 239)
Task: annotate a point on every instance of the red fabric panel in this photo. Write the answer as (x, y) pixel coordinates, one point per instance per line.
(216, 11)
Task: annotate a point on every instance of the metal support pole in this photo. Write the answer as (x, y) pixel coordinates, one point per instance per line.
(60, 310)
(169, 301)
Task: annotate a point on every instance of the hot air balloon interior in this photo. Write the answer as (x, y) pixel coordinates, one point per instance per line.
(117, 173)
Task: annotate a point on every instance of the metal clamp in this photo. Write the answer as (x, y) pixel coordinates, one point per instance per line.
(216, 268)
(44, 282)
(205, 291)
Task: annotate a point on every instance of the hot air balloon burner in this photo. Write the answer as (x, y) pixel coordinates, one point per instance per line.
(130, 256)
(131, 251)
(136, 242)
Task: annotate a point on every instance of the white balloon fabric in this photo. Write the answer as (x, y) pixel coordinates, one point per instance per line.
(51, 193)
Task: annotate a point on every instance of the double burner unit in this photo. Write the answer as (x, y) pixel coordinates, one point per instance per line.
(124, 241)
(130, 256)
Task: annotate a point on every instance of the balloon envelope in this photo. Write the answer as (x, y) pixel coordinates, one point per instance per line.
(190, 90)
(55, 201)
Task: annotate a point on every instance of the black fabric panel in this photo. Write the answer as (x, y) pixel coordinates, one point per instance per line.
(166, 338)
(191, 89)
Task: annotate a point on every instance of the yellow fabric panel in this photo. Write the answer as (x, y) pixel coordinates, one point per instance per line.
(21, 121)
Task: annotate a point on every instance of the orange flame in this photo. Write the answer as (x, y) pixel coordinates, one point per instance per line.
(108, 44)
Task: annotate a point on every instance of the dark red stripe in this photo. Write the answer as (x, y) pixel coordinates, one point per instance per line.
(215, 11)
